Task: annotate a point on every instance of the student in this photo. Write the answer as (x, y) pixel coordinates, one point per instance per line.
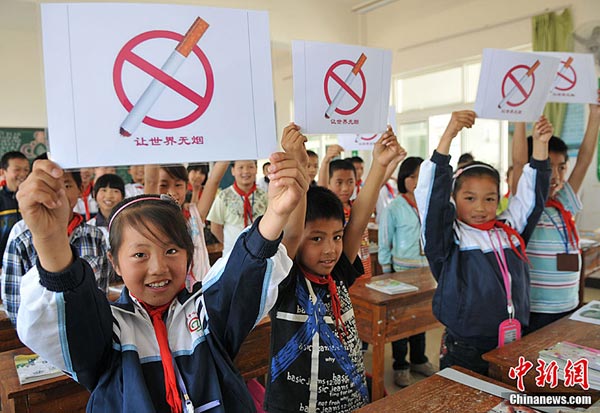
(471, 253)
(109, 190)
(312, 167)
(237, 206)
(197, 176)
(21, 255)
(86, 204)
(264, 182)
(15, 168)
(333, 152)
(399, 250)
(136, 186)
(159, 348)
(173, 180)
(554, 246)
(342, 179)
(316, 357)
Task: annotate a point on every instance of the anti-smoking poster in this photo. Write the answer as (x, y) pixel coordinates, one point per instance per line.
(147, 83)
(575, 80)
(514, 86)
(340, 88)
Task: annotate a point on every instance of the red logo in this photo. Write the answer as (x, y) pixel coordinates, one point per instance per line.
(339, 82)
(515, 78)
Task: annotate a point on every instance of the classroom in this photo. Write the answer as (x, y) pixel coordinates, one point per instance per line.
(424, 329)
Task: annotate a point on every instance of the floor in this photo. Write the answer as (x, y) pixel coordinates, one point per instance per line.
(433, 339)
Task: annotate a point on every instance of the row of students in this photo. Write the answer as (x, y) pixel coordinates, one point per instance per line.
(151, 249)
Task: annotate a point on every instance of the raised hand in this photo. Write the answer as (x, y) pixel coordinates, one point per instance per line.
(387, 149)
(543, 130)
(333, 151)
(595, 108)
(458, 121)
(292, 142)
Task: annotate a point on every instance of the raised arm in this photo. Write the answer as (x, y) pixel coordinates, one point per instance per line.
(332, 152)
(385, 150)
(519, 154)
(211, 187)
(587, 148)
(151, 179)
(292, 143)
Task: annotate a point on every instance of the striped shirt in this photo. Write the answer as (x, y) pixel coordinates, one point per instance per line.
(553, 291)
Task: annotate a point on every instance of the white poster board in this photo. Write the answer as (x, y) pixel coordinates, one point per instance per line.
(575, 81)
(183, 91)
(365, 142)
(340, 88)
(514, 86)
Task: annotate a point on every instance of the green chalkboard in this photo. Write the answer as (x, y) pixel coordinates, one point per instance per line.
(30, 141)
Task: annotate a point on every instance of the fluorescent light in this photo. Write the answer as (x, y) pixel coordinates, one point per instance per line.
(370, 5)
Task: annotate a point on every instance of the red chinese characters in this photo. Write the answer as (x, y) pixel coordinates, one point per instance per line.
(575, 373)
(169, 141)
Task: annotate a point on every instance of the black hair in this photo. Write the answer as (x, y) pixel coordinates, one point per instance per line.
(476, 169)
(41, 156)
(76, 177)
(312, 153)
(11, 155)
(159, 219)
(555, 144)
(321, 203)
(111, 181)
(341, 165)
(357, 159)
(200, 167)
(407, 168)
(243, 160)
(465, 158)
(176, 172)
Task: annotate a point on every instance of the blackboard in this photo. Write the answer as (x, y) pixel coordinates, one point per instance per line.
(30, 141)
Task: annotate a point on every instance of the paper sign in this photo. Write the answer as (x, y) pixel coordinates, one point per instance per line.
(181, 84)
(365, 142)
(340, 88)
(575, 81)
(514, 86)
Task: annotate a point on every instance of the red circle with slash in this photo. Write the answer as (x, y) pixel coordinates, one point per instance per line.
(331, 75)
(569, 79)
(514, 74)
(127, 55)
(362, 138)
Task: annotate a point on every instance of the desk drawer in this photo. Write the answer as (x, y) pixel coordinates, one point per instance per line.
(70, 398)
(407, 320)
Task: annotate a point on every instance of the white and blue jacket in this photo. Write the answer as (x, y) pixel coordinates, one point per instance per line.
(470, 299)
(112, 349)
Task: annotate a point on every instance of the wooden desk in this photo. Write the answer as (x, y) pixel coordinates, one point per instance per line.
(253, 359)
(215, 251)
(437, 394)
(8, 334)
(502, 359)
(60, 394)
(590, 268)
(382, 318)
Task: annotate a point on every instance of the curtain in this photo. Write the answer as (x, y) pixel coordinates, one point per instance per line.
(554, 33)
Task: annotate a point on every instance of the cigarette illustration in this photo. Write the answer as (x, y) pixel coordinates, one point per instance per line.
(562, 71)
(520, 83)
(170, 67)
(341, 91)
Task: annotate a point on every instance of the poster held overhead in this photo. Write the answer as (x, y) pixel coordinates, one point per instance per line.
(514, 86)
(575, 81)
(365, 142)
(183, 91)
(340, 88)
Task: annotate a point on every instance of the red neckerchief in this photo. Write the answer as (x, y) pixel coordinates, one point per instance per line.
(84, 196)
(186, 213)
(74, 223)
(410, 202)
(3, 183)
(335, 298)
(247, 204)
(358, 184)
(507, 194)
(510, 231)
(390, 189)
(568, 219)
(160, 329)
